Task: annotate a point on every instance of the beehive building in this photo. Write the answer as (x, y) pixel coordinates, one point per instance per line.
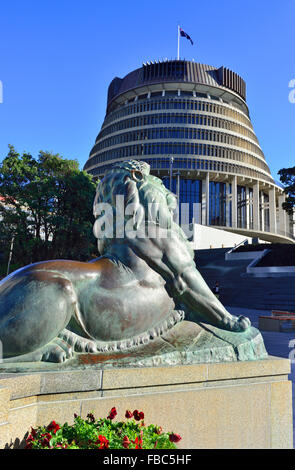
(191, 123)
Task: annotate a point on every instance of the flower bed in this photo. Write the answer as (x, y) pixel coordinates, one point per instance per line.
(104, 433)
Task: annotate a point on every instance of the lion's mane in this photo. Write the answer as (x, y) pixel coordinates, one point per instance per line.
(148, 191)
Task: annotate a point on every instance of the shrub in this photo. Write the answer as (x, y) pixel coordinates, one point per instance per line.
(104, 433)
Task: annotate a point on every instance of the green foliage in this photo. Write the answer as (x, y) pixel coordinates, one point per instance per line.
(101, 434)
(287, 177)
(46, 204)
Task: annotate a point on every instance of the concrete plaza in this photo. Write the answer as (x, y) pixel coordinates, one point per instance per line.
(276, 343)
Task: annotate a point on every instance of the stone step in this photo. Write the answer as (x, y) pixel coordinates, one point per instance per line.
(237, 289)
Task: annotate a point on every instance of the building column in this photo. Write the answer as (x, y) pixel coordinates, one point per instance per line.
(178, 210)
(178, 187)
(234, 205)
(205, 200)
(272, 211)
(256, 219)
(282, 215)
(247, 208)
(262, 212)
(227, 205)
(292, 217)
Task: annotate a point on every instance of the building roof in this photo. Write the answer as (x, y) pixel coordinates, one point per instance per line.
(177, 71)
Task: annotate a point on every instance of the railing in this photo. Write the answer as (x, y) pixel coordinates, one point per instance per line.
(285, 233)
(243, 242)
(242, 225)
(228, 253)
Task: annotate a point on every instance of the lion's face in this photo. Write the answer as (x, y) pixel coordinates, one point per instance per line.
(130, 184)
(150, 189)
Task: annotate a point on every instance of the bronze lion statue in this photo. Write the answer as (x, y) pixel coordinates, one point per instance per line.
(144, 282)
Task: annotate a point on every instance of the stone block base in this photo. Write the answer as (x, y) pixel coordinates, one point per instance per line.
(237, 405)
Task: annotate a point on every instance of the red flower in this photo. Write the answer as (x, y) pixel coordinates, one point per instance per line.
(126, 442)
(138, 443)
(138, 415)
(53, 426)
(29, 442)
(45, 442)
(174, 437)
(128, 414)
(112, 414)
(33, 432)
(102, 442)
(29, 445)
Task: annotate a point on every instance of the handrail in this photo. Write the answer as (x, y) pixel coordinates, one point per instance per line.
(243, 242)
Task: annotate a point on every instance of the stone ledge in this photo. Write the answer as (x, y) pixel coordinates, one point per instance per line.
(150, 376)
(44, 383)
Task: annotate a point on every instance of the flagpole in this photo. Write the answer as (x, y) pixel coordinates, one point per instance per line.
(178, 42)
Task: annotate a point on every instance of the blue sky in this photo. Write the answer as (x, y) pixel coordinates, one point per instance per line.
(57, 58)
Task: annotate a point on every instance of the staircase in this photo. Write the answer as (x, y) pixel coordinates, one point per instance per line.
(237, 290)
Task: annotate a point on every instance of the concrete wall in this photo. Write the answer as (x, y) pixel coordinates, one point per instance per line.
(236, 405)
(208, 237)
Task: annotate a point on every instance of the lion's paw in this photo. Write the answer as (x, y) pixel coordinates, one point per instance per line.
(79, 344)
(56, 351)
(239, 324)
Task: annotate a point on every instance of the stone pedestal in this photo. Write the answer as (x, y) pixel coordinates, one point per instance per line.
(234, 405)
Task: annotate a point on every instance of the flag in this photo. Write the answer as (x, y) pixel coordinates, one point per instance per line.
(185, 35)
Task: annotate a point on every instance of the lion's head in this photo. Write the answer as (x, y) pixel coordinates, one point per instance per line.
(129, 191)
(115, 181)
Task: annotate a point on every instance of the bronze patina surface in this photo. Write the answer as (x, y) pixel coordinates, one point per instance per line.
(123, 306)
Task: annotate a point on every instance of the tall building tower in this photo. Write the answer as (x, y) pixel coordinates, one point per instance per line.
(191, 123)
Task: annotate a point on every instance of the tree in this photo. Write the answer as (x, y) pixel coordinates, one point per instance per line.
(287, 177)
(46, 205)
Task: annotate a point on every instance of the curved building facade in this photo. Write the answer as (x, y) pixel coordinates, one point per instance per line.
(191, 123)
